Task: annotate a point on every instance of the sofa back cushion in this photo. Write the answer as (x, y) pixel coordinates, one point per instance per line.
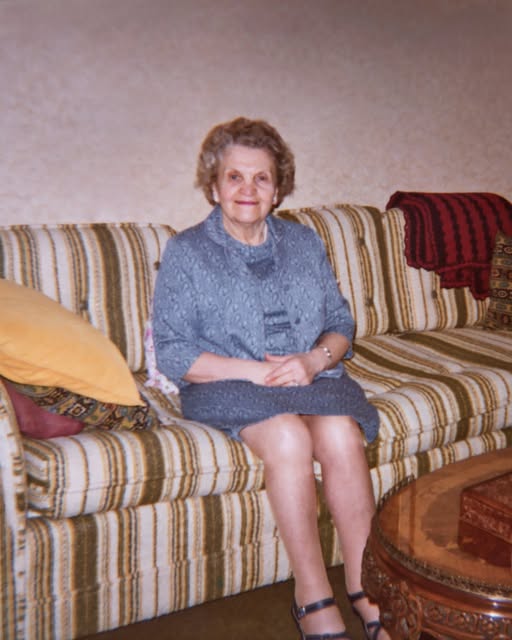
(103, 272)
(354, 242)
(419, 302)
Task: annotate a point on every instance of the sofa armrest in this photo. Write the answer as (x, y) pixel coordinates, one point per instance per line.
(13, 513)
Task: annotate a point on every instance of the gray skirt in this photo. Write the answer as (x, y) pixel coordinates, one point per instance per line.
(231, 405)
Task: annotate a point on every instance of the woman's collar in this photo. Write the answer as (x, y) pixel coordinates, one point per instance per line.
(215, 230)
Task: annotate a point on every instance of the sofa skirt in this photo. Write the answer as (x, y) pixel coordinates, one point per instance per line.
(91, 573)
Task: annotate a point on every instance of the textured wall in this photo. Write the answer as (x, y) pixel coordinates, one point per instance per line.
(104, 103)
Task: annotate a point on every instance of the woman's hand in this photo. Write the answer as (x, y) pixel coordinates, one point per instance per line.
(295, 369)
(258, 372)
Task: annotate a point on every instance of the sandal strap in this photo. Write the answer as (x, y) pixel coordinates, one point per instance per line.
(358, 595)
(372, 628)
(314, 606)
(299, 612)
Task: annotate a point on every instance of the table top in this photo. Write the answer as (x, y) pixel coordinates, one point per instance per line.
(418, 525)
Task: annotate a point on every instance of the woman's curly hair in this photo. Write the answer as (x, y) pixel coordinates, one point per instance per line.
(256, 134)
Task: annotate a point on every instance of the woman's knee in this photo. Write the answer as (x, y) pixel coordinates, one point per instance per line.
(336, 437)
(282, 439)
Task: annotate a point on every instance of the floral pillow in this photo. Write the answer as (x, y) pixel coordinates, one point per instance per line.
(499, 312)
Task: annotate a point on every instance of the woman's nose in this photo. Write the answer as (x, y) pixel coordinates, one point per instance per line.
(248, 186)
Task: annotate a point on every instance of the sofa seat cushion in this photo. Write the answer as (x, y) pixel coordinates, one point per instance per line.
(97, 471)
(431, 389)
(434, 387)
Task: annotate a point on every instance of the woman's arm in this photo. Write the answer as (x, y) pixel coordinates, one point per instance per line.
(336, 344)
(297, 368)
(210, 367)
(276, 370)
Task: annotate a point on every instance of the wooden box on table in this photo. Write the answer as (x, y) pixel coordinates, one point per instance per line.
(485, 520)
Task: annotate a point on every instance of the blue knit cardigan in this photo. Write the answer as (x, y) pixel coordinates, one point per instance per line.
(207, 299)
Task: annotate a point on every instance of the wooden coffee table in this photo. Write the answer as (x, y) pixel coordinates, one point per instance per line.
(424, 584)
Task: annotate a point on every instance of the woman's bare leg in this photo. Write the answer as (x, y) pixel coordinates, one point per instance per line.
(285, 445)
(338, 446)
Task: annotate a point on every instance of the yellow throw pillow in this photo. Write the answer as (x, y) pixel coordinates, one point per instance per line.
(43, 343)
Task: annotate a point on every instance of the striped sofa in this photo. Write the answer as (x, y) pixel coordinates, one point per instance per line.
(106, 528)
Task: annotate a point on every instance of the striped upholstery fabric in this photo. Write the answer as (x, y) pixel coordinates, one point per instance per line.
(118, 567)
(122, 566)
(354, 243)
(104, 529)
(387, 476)
(104, 272)
(98, 471)
(434, 387)
(429, 387)
(418, 300)
(12, 523)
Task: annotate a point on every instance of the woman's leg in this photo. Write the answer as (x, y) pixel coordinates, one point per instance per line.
(338, 446)
(285, 445)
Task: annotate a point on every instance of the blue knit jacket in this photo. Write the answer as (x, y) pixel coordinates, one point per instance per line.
(207, 299)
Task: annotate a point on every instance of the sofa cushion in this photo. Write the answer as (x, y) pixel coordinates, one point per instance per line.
(43, 343)
(103, 272)
(434, 387)
(499, 313)
(102, 470)
(354, 243)
(430, 388)
(418, 302)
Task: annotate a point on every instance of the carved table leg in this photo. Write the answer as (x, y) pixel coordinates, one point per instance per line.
(401, 611)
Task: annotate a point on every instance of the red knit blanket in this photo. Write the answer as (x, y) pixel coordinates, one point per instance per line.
(453, 234)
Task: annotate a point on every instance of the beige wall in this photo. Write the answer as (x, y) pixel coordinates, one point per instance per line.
(104, 103)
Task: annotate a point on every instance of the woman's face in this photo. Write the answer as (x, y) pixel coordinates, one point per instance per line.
(245, 188)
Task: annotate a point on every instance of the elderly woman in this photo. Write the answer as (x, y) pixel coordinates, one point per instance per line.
(248, 321)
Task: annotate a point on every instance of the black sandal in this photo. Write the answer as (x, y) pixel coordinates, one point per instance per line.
(299, 612)
(371, 629)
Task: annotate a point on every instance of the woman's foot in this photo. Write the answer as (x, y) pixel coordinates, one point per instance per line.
(369, 615)
(319, 618)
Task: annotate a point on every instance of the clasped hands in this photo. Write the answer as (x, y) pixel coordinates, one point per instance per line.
(291, 370)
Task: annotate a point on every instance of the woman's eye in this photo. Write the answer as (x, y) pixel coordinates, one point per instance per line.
(262, 178)
(234, 176)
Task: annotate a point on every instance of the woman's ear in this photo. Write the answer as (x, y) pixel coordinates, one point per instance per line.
(215, 194)
(274, 199)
